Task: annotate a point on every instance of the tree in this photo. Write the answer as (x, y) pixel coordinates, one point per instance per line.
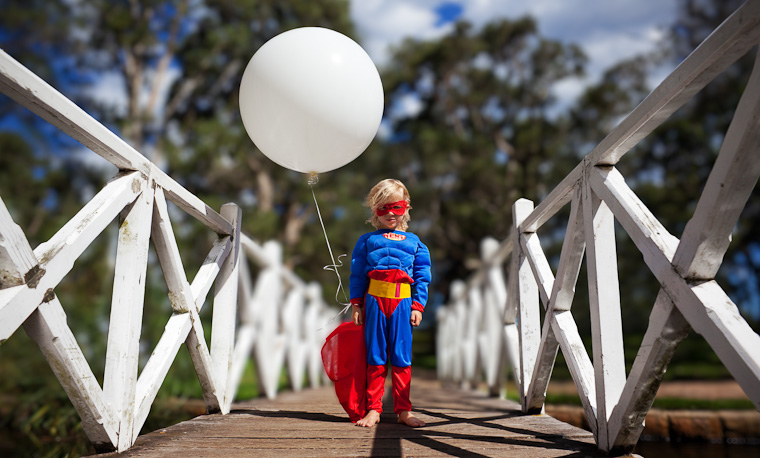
(480, 135)
(672, 165)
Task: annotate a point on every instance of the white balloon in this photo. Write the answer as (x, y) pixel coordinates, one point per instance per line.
(311, 99)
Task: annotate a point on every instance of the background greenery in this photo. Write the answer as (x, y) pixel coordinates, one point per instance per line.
(488, 132)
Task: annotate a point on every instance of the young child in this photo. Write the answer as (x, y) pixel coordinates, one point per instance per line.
(390, 274)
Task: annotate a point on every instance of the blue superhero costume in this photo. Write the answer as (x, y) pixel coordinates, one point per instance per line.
(390, 275)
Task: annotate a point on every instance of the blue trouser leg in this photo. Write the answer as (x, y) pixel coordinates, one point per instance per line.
(388, 336)
(375, 327)
(400, 334)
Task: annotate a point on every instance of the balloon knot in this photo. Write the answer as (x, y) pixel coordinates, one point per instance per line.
(313, 178)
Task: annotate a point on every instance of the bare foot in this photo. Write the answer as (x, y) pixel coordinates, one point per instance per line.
(408, 419)
(371, 419)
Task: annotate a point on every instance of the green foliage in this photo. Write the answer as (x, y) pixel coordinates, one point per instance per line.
(481, 137)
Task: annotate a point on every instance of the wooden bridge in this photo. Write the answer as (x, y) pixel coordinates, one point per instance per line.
(501, 300)
(312, 424)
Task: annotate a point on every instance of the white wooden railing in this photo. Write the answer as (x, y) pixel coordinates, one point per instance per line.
(279, 316)
(616, 403)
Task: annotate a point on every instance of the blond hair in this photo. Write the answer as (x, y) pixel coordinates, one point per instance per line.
(384, 192)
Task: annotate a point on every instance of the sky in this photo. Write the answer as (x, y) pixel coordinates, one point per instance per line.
(607, 30)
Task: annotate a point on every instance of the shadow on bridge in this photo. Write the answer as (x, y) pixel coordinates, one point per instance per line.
(312, 424)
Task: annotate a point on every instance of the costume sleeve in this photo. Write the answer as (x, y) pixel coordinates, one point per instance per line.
(358, 280)
(421, 277)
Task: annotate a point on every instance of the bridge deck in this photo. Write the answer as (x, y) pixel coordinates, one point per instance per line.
(312, 424)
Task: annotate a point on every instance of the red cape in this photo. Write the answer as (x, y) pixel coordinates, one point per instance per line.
(344, 356)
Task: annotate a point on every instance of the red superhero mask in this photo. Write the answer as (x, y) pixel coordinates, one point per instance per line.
(397, 208)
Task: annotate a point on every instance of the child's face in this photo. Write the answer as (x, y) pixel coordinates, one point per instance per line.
(390, 220)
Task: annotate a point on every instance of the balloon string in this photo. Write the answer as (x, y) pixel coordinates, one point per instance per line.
(334, 266)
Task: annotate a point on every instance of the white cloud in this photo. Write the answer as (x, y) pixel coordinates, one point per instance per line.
(608, 31)
(567, 90)
(110, 92)
(407, 106)
(385, 23)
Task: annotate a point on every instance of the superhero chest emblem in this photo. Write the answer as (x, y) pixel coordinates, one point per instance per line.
(395, 237)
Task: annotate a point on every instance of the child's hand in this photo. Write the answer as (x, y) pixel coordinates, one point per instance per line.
(356, 315)
(416, 318)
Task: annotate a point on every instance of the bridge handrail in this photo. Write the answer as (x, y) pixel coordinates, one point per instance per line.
(615, 403)
(274, 324)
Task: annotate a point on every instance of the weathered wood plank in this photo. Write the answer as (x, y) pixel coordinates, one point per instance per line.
(212, 265)
(542, 272)
(155, 370)
(182, 300)
(527, 296)
(204, 368)
(47, 326)
(122, 354)
(225, 309)
(604, 307)
(571, 256)
(167, 250)
(666, 329)
(731, 181)
(542, 372)
(16, 256)
(511, 333)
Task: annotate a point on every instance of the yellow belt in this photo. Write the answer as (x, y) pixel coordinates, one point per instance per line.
(379, 288)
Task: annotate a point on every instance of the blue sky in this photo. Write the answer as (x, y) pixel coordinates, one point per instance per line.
(607, 30)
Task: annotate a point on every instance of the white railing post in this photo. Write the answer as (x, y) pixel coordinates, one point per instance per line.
(16, 256)
(123, 349)
(225, 310)
(473, 323)
(509, 320)
(291, 318)
(314, 327)
(458, 291)
(529, 327)
(269, 349)
(604, 305)
(493, 347)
